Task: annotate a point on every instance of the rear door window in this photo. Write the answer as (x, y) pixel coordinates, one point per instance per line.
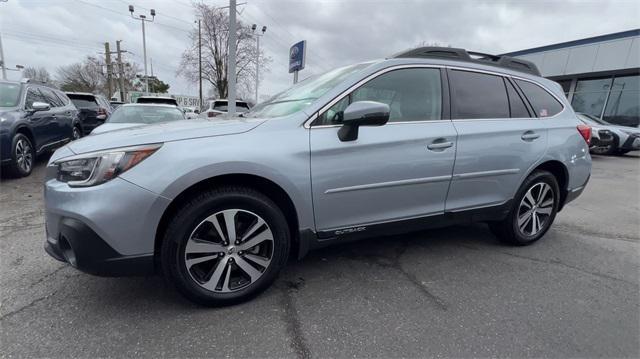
(543, 103)
(478, 95)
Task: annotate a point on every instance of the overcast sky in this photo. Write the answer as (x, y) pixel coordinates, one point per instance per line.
(52, 33)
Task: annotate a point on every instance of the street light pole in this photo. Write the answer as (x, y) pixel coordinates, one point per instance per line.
(258, 36)
(200, 63)
(231, 60)
(143, 19)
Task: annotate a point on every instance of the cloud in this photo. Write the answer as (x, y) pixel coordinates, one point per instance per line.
(58, 32)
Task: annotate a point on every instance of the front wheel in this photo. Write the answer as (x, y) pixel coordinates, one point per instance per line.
(23, 156)
(225, 246)
(76, 134)
(533, 211)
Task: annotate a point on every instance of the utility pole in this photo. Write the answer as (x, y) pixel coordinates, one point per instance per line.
(120, 70)
(107, 58)
(143, 19)
(200, 64)
(231, 60)
(3, 63)
(258, 36)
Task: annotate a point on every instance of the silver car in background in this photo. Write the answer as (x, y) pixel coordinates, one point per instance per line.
(612, 139)
(139, 114)
(427, 138)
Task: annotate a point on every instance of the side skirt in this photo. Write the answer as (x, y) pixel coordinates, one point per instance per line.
(310, 240)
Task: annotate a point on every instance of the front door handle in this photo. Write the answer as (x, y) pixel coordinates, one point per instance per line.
(440, 145)
(529, 136)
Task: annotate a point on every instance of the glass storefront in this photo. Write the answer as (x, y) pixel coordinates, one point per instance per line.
(614, 99)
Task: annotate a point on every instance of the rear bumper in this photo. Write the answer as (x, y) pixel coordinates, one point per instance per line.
(575, 193)
(77, 244)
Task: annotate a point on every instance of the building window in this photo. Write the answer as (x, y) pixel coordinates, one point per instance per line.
(623, 105)
(590, 96)
(566, 86)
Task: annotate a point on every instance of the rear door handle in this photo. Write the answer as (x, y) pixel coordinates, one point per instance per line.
(440, 145)
(529, 136)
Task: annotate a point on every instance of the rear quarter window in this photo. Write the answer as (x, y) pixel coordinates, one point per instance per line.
(543, 103)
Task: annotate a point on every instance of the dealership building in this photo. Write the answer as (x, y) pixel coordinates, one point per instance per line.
(600, 75)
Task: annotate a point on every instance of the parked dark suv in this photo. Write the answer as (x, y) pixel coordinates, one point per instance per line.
(94, 109)
(34, 118)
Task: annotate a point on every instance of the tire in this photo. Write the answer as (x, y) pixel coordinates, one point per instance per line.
(545, 209)
(76, 133)
(23, 156)
(225, 273)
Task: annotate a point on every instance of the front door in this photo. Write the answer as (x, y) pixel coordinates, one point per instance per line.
(42, 123)
(394, 172)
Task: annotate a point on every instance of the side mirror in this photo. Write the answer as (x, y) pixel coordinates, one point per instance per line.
(40, 106)
(362, 113)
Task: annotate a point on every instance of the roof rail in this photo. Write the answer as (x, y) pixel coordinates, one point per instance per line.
(452, 53)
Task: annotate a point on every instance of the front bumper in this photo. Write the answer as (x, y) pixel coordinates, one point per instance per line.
(77, 244)
(632, 143)
(107, 230)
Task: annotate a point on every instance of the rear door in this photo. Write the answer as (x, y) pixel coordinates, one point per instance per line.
(395, 172)
(499, 139)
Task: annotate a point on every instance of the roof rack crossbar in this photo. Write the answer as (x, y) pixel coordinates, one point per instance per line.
(457, 54)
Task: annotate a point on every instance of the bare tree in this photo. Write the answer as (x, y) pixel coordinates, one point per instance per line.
(88, 76)
(38, 74)
(215, 40)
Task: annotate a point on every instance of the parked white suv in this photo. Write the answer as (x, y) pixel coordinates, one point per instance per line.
(219, 107)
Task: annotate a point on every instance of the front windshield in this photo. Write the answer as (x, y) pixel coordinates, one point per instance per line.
(145, 114)
(302, 94)
(9, 94)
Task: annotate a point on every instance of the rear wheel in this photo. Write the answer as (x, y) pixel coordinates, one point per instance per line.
(225, 246)
(534, 209)
(23, 156)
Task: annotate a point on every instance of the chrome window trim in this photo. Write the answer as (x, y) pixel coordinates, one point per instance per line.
(307, 124)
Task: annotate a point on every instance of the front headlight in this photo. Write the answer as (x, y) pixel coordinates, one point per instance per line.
(94, 168)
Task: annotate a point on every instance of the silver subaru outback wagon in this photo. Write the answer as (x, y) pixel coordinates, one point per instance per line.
(428, 137)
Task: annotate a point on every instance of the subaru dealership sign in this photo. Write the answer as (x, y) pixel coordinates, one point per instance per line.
(297, 55)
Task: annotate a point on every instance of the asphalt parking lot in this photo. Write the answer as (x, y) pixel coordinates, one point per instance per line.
(452, 292)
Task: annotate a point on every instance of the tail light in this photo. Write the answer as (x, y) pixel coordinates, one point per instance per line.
(585, 132)
(212, 114)
(102, 114)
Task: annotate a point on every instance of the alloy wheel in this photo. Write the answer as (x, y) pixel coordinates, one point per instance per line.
(76, 133)
(24, 155)
(535, 209)
(229, 250)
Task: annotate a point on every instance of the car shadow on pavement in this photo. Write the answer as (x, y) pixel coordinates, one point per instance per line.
(38, 167)
(154, 293)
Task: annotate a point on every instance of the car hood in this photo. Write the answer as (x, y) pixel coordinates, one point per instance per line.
(163, 132)
(113, 126)
(624, 128)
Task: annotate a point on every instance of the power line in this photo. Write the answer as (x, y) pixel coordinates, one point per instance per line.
(123, 14)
